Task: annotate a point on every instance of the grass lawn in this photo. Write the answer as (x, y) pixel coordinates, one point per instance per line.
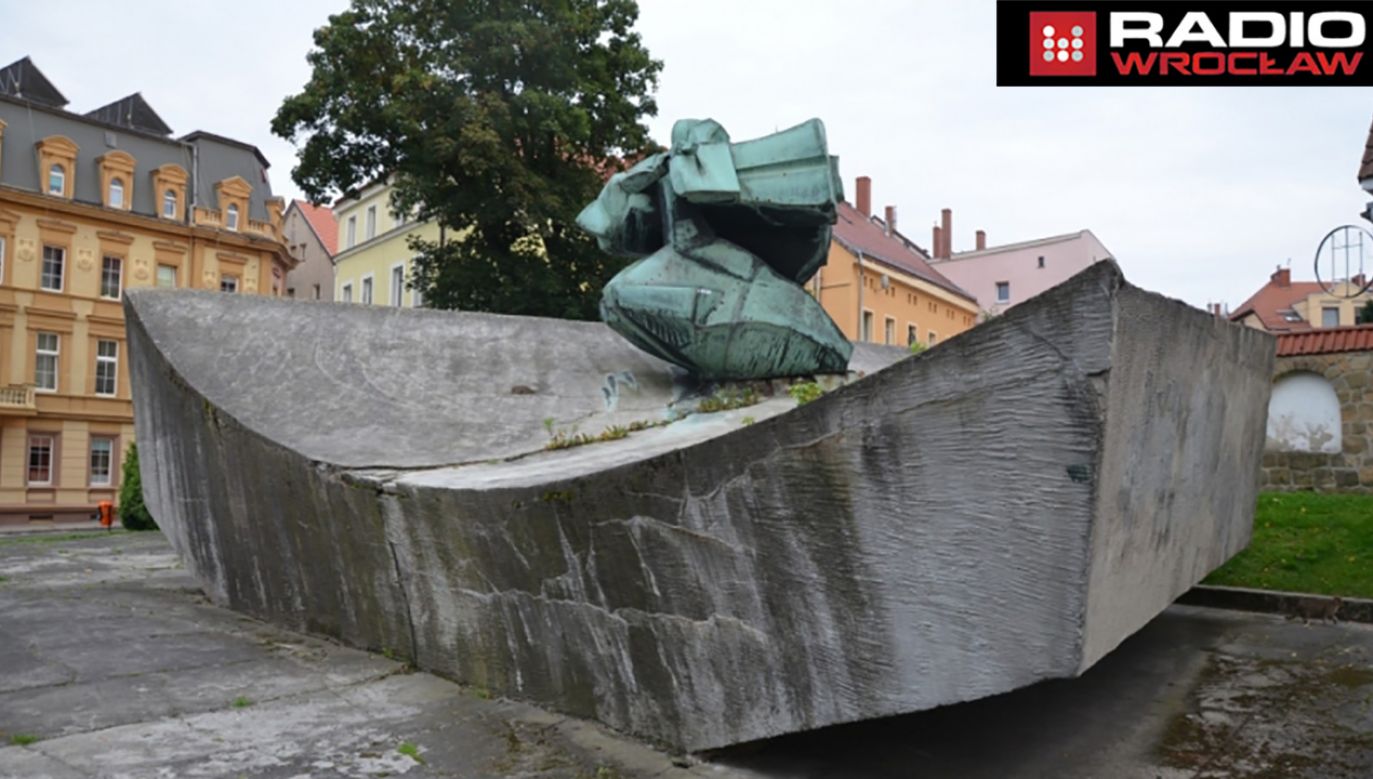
(1307, 542)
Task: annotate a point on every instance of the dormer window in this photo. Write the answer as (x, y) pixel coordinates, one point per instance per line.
(57, 180)
(116, 193)
(169, 191)
(232, 196)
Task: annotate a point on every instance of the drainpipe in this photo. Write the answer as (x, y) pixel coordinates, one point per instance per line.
(860, 295)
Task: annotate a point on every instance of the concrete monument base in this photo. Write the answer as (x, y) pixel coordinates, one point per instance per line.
(1005, 508)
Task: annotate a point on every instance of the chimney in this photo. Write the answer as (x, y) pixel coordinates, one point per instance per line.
(891, 219)
(946, 232)
(981, 240)
(936, 243)
(1282, 277)
(864, 196)
(1359, 281)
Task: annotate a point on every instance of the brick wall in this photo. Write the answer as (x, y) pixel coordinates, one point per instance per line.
(1351, 376)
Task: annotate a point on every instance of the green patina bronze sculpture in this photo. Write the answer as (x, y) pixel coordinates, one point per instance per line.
(726, 234)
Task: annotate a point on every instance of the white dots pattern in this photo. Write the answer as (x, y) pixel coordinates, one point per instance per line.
(1058, 48)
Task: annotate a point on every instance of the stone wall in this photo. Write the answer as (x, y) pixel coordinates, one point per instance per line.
(1350, 470)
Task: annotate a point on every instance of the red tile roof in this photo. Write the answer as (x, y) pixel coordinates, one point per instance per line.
(859, 233)
(1273, 302)
(321, 219)
(1358, 338)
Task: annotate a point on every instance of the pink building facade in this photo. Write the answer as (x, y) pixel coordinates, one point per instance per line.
(1004, 276)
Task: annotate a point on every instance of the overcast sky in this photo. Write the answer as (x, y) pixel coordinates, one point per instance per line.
(1199, 193)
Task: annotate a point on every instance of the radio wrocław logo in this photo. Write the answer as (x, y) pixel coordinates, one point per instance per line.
(1180, 43)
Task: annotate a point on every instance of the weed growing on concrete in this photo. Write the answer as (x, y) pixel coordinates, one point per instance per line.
(916, 347)
(644, 424)
(805, 392)
(567, 440)
(411, 751)
(746, 421)
(22, 739)
(728, 400)
(241, 702)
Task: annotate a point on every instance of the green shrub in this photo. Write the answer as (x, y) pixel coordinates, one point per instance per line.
(916, 347)
(133, 514)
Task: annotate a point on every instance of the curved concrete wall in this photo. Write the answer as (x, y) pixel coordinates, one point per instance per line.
(957, 525)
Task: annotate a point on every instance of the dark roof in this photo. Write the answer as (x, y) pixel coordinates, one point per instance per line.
(868, 235)
(132, 112)
(322, 222)
(1326, 341)
(201, 134)
(24, 80)
(1272, 304)
(214, 157)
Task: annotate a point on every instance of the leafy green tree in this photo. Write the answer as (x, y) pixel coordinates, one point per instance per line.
(133, 514)
(498, 119)
(1364, 316)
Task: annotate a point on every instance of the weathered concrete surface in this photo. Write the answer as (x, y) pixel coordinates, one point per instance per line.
(120, 669)
(1195, 694)
(1005, 508)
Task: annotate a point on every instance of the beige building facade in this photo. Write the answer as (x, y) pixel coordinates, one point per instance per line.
(90, 206)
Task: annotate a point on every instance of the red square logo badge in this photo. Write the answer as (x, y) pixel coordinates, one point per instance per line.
(1062, 43)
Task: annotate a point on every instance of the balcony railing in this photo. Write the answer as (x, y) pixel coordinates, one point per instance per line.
(213, 217)
(18, 399)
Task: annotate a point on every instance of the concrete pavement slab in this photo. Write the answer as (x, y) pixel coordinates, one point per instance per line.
(1197, 694)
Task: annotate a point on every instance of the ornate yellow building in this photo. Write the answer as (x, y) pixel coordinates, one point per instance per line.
(91, 205)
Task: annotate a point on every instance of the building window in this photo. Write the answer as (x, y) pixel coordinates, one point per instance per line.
(371, 222)
(57, 180)
(932, 339)
(1330, 317)
(116, 193)
(169, 204)
(352, 231)
(54, 262)
(2, 259)
(866, 334)
(397, 284)
(315, 291)
(912, 335)
(228, 283)
(1041, 262)
(45, 363)
(346, 293)
(276, 282)
(106, 367)
(231, 217)
(111, 277)
(367, 291)
(166, 276)
(1003, 292)
(416, 298)
(889, 332)
(41, 448)
(102, 462)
